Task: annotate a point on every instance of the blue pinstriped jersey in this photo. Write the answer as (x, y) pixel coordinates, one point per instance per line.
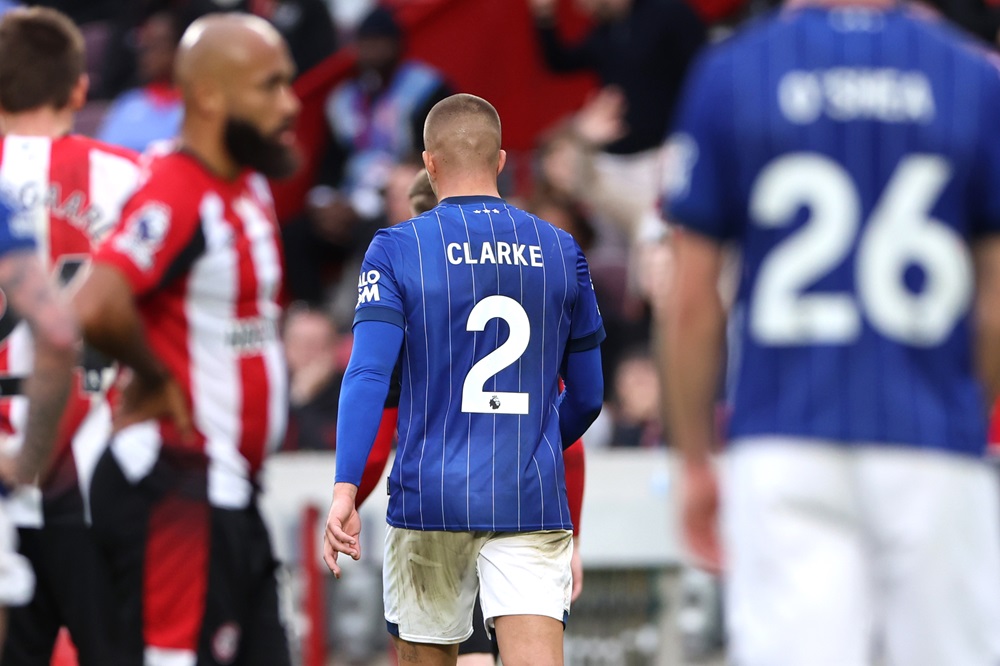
(491, 299)
(854, 155)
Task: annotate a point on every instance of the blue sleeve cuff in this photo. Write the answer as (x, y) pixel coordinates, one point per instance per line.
(380, 313)
(588, 341)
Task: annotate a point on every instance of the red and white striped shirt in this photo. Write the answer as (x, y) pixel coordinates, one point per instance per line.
(74, 188)
(203, 258)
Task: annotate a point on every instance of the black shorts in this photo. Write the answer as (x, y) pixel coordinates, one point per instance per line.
(71, 590)
(479, 642)
(188, 578)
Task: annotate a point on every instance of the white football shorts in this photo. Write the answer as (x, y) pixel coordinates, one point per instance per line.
(841, 556)
(430, 579)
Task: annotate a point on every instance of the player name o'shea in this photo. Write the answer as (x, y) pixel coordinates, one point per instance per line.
(513, 254)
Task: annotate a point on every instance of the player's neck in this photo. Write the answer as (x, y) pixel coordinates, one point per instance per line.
(209, 148)
(467, 188)
(46, 122)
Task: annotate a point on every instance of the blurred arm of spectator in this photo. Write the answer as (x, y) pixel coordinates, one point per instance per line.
(656, 270)
(567, 153)
(644, 48)
(559, 56)
(602, 119)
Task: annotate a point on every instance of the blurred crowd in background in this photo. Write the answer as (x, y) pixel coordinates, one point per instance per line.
(596, 172)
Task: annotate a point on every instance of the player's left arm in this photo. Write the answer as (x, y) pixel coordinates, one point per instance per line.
(987, 258)
(690, 329)
(584, 393)
(31, 292)
(692, 338)
(581, 369)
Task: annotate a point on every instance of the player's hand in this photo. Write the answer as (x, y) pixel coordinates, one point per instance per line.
(700, 489)
(576, 566)
(543, 9)
(143, 400)
(343, 527)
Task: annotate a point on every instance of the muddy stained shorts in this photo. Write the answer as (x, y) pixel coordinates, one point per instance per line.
(430, 580)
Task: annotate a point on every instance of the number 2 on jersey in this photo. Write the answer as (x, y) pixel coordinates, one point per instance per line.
(899, 234)
(474, 399)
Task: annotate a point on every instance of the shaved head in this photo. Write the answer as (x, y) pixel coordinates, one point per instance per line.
(235, 72)
(462, 132)
(217, 45)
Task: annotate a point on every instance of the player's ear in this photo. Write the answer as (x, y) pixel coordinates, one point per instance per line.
(502, 161)
(208, 99)
(429, 164)
(78, 95)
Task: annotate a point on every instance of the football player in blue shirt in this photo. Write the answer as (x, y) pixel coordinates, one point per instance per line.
(490, 306)
(851, 152)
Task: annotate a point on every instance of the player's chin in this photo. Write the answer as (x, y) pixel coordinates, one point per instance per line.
(282, 162)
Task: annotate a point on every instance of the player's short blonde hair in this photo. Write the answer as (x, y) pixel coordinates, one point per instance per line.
(463, 131)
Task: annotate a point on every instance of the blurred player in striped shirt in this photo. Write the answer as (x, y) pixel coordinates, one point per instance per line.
(28, 289)
(72, 189)
(185, 294)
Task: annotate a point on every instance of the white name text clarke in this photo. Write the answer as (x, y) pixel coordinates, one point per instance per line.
(512, 254)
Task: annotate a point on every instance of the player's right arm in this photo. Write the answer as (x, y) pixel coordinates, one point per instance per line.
(32, 294)
(692, 333)
(378, 338)
(986, 246)
(378, 457)
(359, 414)
(158, 240)
(111, 324)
